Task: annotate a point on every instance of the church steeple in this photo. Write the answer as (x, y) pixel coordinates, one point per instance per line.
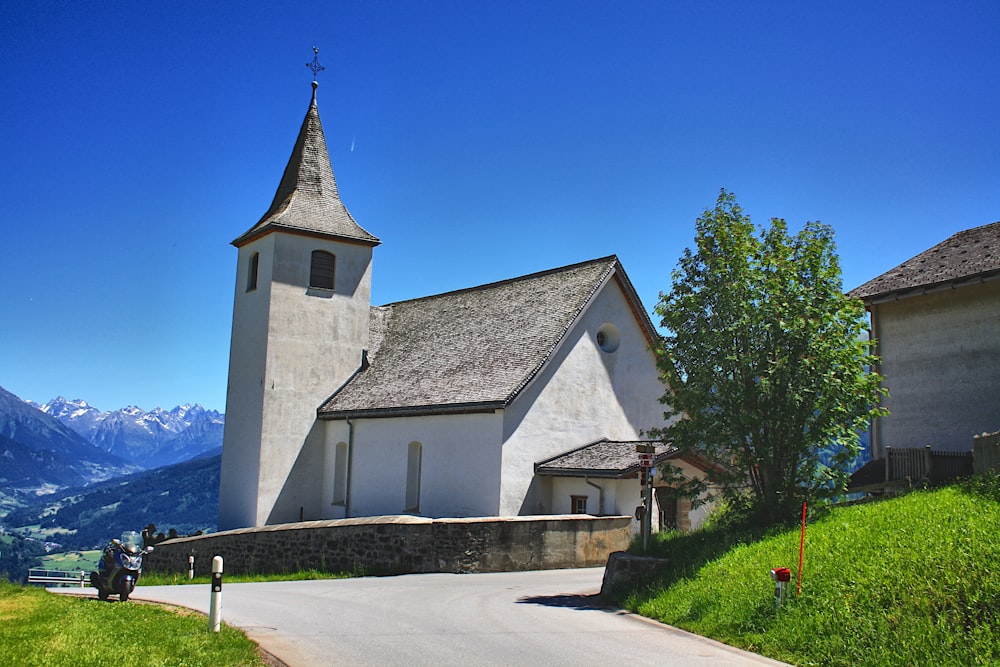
(301, 323)
(307, 200)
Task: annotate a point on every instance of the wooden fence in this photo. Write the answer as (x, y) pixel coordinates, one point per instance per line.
(925, 465)
(903, 467)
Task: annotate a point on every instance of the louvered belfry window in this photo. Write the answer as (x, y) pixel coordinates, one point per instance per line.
(321, 271)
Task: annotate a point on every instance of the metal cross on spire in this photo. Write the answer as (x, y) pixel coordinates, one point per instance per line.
(314, 65)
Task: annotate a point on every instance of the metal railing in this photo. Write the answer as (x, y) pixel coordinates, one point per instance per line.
(42, 577)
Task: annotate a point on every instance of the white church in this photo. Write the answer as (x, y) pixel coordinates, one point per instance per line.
(521, 397)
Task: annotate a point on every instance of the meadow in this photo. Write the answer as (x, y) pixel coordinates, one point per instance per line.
(913, 580)
(40, 628)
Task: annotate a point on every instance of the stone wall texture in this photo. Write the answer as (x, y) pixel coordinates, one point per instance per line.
(403, 544)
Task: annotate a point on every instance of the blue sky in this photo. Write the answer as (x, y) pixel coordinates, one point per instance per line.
(478, 140)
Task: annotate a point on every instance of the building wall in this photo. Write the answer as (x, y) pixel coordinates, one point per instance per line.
(459, 467)
(245, 391)
(583, 394)
(941, 362)
(986, 453)
(689, 516)
(279, 377)
(621, 496)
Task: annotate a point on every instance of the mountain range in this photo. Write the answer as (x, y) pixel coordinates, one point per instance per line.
(74, 475)
(70, 443)
(148, 439)
(40, 453)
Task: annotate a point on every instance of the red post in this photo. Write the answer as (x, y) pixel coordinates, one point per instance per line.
(802, 546)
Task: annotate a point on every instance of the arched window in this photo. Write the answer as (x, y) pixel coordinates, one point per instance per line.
(414, 454)
(340, 474)
(321, 270)
(252, 271)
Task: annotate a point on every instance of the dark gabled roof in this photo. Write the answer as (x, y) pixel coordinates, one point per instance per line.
(965, 257)
(603, 458)
(472, 350)
(307, 201)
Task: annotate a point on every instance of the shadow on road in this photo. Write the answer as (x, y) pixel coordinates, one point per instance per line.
(568, 601)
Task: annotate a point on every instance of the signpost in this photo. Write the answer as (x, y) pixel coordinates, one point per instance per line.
(647, 454)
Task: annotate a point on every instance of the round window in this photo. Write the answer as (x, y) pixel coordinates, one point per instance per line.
(608, 337)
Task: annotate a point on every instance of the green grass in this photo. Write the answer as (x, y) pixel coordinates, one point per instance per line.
(39, 628)
(158, 579)
(909, 581)
(71, 561)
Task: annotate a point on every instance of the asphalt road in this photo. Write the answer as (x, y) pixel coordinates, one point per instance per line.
(546, 618)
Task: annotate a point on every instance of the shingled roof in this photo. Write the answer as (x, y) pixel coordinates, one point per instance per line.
(307, 200)
(967, 256)
(471, 350)
(603, 458)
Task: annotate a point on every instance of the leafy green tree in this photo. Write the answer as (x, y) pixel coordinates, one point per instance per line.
(17, 556)
(766, 361)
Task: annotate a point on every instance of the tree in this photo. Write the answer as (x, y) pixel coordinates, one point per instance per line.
(765, 359)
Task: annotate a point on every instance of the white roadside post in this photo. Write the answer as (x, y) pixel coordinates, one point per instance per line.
(781, 577)
(191, 566)
(215, 606)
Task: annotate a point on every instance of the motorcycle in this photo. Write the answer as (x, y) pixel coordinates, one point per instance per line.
(120, 567)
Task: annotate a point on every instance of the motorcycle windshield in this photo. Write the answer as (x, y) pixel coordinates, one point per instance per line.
(131, 541)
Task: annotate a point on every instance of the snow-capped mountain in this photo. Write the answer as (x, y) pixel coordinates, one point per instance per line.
(149, 439)
(79, 416)
(39, 453)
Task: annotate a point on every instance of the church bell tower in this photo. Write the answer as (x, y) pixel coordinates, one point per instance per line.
(300, 326)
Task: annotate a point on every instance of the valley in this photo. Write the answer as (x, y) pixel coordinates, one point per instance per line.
(73, 477)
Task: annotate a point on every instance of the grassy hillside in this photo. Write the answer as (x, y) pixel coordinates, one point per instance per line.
(183, 496)
(909, 581)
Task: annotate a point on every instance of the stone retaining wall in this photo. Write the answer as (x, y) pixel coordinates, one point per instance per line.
(403, 544)
(625, 572)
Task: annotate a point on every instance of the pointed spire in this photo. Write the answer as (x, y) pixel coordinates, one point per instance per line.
(307, 199)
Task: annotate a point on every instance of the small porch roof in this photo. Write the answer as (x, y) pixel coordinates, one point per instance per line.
(616, 459)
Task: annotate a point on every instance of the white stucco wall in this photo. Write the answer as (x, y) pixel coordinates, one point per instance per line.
(583, 394)
(621, 496)
(310, 345)
(460, 466)
(248, 344)
(941, 362)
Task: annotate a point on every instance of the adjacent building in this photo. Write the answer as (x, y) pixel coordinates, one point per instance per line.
(936, 320)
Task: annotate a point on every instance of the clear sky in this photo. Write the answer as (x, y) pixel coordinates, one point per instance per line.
(478, 140)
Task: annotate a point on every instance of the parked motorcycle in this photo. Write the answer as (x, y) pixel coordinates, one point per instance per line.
(120, 567)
